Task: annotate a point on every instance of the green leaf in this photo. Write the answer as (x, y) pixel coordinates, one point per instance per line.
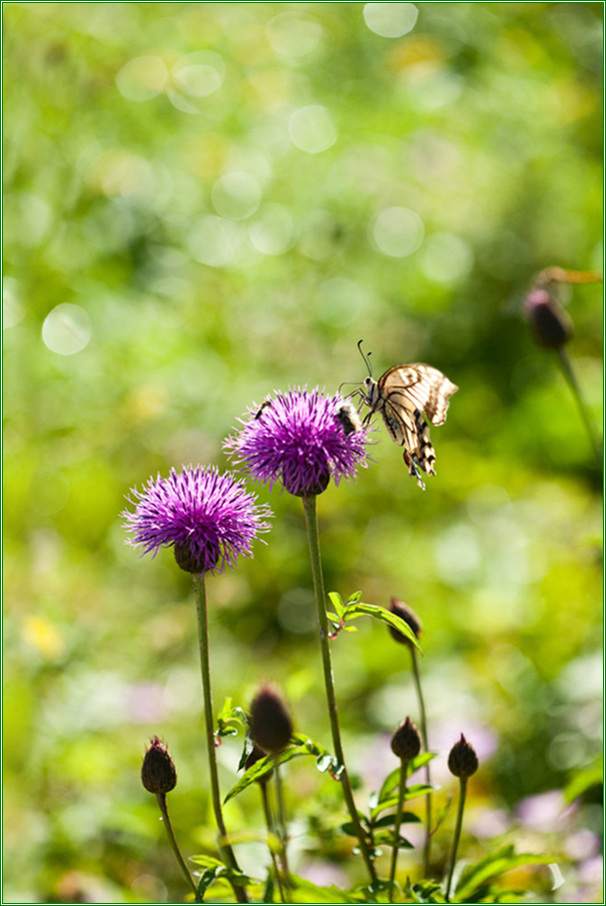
(218, 872)
(493, 865)
(424, 892)
(387, 837)
(407, 818)
(358, 609)
(337, 602)
(304, 746)
(229, 719)
(584, 780)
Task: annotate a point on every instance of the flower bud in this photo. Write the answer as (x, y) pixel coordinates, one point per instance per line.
(158, 772)
(270, 723)
(462, 759)
(406, 742)
(406, 613)
(549, 322)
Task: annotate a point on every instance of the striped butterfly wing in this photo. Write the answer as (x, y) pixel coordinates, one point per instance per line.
(408, 396)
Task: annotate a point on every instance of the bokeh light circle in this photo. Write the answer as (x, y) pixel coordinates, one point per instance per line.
(397, 232)
(67, 329)
(312, 129)
(390, 20)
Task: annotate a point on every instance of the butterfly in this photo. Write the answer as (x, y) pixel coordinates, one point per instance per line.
(408, 396)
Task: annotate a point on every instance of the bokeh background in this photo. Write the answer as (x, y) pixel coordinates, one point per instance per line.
(208, 201)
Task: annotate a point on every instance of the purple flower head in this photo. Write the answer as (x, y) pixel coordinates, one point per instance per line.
(301, 438)
(208, 518)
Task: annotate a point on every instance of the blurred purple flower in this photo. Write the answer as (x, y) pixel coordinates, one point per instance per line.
(545, 811)
(302, 439)
(208, 518)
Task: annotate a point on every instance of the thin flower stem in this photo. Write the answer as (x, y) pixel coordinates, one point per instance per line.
(396, 829)
(282, 823)
(269, 821)
(311, 521)
(457, 832)
(573, 383)
(161, 797)
(423, 722)
(224, 845)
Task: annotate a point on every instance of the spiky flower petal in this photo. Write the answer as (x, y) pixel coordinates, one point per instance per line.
(299, 439)
(208, 518)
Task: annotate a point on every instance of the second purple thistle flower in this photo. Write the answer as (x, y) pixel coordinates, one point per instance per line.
(301, 439)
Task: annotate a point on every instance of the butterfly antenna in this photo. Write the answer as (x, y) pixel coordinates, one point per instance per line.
(366, 357)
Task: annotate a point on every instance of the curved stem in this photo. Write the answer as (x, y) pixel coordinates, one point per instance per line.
(161, 797)
(578, 396)
(396, 828)
(423, 722)
(224, 845)
(457, 832)
(313, 540)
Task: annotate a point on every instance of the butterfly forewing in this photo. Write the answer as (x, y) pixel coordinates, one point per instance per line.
(426, 387)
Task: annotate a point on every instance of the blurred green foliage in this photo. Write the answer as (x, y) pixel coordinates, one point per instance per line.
(207, 201)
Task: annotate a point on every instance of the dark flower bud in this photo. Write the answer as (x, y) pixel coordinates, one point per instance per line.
(256, 755)
(462, 759)
(406, 742)
(406, 613)
(158, 773)
(549, 322)
(270, 723)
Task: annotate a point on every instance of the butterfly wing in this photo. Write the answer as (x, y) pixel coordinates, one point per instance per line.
(406, 396)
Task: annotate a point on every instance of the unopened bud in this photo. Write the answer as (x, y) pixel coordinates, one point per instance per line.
(406, 613)
(549, 322)
(406, 742)
(270, 723)
(158, 772)
(462, 759)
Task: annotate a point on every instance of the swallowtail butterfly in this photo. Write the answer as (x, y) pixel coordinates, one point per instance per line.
(408, 396)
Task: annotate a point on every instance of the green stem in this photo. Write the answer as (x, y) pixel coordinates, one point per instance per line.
(423, 721)
(282, 823)
(457, 833)
(313, 539)
(161, 797)
(573, 383)
(269, 821)
(396, 830)
(203, 643)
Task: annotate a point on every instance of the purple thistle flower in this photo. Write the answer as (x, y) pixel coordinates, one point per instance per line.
(301, 438)
(209, 518)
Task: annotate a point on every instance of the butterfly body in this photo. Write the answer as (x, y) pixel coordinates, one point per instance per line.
(408, 396)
